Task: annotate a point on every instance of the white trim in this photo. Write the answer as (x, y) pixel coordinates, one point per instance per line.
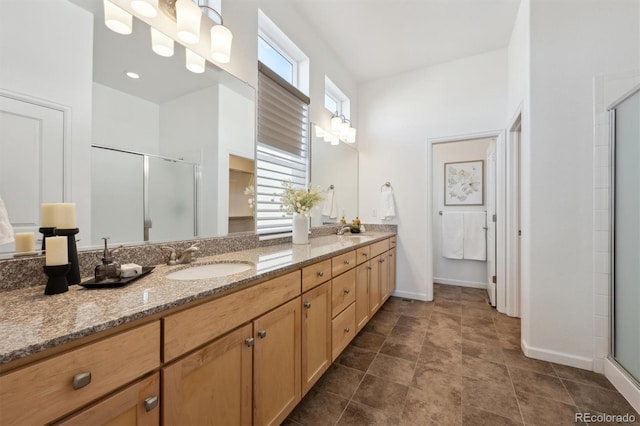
(623, 383)
(461, 283)
(411, 295)
(556, 357)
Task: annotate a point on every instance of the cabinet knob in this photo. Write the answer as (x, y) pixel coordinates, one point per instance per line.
(262, 334)
(307, 305)
(346, 329)
(249, 341)
(381, 261)
(151, 403)
(346, 261)
(365, 254)
(346, 291)
(369, 267)
(321, 274)
(81, 380)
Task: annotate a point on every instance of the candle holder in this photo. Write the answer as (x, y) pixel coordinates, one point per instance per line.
(57, 282)
(73, 275)
(46, 232)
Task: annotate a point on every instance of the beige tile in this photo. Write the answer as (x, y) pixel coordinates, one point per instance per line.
(394, 304)
(394, 369)
(431, 409)
(340, 380)
(381, 328)
(400, 350)
(414, 323)
(598, 399)
(480, 335)
(382, 394)
(510, 342)
(515, 358)
(472, 416)
(487, 352)
(583, 376)
(433, 383)
(442, 320)
(485, 370)
(540, 411)
(369, 341)
(319, 408)
(357, 358)
(477, 312)
(443, 360)
(386, 317)
(418, 309)
(444, 339)
(542, 385)
(489, 396)
(408, 336)
(359, 415)
(448, 306)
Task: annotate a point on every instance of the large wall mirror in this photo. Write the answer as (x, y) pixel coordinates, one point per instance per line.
(145, 159)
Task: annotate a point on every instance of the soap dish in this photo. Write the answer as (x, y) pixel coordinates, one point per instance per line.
(119, 282)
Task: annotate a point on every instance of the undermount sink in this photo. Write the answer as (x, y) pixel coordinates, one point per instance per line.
(213, 270)
(360, 238)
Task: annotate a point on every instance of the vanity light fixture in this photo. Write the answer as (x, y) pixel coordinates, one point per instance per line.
(146, 8)
(116, 19)
(161, 44)
(335, 140)
(188, 17)
(341, 128)
(195, 62)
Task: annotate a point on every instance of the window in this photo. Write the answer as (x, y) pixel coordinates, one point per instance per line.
(275, 60)
(331, 104)
(335, 100)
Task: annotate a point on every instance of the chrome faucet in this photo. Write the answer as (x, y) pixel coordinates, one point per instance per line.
(344, 229)
(185, 257)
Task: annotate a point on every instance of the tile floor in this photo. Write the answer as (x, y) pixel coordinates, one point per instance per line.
(453, 361)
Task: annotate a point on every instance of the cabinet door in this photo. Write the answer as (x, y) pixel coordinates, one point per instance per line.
(385, 289)
(316, 334)
(138, 404)
(276, 371)
(362, 295)
(392, 269)
(211, 386)
(374, 285)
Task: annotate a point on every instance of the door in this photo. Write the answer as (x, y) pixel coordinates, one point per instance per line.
(211, 386)
(276, 369)
(31, 162)
(491, 224)
(316, 334)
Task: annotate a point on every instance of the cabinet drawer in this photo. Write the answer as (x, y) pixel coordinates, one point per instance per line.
(343, 291)
(379, 247)
(45, 390)
(194, 327)
(316, 274)
(343, 262)
(343, 329)
(392, 242)
(363, 254)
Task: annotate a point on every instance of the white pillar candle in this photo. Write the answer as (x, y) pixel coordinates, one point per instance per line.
(56, 253)
(25, 242)
(48, 215)
(65, 216)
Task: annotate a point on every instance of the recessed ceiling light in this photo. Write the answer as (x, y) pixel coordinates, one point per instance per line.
(133, 75)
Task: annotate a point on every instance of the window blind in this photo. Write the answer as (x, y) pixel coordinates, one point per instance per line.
(282, 151)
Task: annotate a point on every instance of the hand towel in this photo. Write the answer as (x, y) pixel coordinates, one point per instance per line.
(386, 203)
(6, 230)
(330, 207)
(475, 237)
(452, 235)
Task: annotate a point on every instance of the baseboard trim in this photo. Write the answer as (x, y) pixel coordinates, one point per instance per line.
(411, 295)
(624, 384)
(557, 357)
(460, 283)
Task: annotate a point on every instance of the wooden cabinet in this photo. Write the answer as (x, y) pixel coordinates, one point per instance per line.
(362, 294)
(315, 274)
(316, 334)
(343, 262)
(49, 389)
(138, 404)
(343, 291)
(276, 374)
(392, 268)
(363, 254)
(385, 288)
(374, 286)
(343, 330)
(212, 385)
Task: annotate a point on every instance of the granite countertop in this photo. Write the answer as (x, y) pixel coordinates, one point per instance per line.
(31, 322)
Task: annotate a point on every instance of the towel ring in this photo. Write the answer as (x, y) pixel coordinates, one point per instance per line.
(387, 184)
(331, 187)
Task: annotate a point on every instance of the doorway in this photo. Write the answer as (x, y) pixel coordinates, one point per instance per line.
(509, 288)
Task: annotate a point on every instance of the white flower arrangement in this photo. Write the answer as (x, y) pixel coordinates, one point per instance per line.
(251, 192)
(299, 200)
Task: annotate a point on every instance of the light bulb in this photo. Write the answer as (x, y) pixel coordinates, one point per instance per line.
(161, 44)
(335, 140)
(335, 124)
(221, 39)
(146, 8)
(188, 17)
(116, 19)
(195, 62)
(351, 135)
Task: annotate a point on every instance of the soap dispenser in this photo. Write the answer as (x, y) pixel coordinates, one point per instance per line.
(109, 269)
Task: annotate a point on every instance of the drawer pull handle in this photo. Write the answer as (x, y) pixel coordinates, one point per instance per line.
(381, 261)
(307, 305)
(262, 334)
(249, 341)
(151, 403)
(321, 274)
(346, 261)
(346, 291)
(346, 329)
(81, 380)
(369, 267)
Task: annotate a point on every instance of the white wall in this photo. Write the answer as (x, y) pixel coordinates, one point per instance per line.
(398, 116)
(571, 43)
(455, 271)
(36, 71)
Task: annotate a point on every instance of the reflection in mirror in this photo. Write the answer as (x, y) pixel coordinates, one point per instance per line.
(241, 193)
(83, 98)
(337, 166)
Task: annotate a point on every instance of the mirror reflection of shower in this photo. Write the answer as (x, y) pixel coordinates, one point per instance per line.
(241, 184)
(142, 197)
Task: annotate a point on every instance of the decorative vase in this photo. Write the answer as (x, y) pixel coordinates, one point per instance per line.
(300, 229)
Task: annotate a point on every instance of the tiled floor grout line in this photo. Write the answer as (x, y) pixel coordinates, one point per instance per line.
(513, 386)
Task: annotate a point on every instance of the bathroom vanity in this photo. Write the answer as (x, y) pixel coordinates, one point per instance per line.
(237, 349)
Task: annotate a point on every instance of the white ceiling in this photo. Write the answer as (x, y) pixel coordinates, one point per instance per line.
(379, 38)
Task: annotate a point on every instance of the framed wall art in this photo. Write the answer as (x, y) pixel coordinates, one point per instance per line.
(464, 183)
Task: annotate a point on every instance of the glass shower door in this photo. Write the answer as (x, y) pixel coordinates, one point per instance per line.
(626, 234)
